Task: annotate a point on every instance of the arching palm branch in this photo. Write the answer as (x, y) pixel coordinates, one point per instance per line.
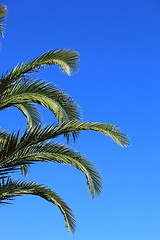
(11, 188)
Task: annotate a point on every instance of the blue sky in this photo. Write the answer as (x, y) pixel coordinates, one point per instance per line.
(118, 82)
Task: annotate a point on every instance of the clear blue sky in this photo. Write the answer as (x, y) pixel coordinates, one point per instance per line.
(118, 82)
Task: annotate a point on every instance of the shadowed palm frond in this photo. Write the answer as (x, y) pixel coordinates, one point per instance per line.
(3, 10)
(67, 60)
(10, 188)
(23, 93)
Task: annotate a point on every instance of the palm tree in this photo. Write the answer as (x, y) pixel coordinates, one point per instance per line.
(19, 88)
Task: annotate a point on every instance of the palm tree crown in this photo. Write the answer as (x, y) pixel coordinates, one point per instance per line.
(19, 88)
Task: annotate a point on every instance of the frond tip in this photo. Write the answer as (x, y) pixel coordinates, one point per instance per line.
(67, 60)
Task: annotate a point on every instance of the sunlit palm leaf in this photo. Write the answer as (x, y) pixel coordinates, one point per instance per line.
(40, 134)
(11, 188)
(23, 93)
(67, 60)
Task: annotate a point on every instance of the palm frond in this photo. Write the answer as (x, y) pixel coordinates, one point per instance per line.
(67, 60)
(3, 10)
(10, 188)
(23, 93)
(108, 129)
(54, 152)
(40, 134)
(12, 156)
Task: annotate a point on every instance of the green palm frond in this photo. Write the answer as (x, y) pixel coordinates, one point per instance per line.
(3, 10)
(67, 60)
(54, 152)
(10, 188)
(40, 134)
(23, 93)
